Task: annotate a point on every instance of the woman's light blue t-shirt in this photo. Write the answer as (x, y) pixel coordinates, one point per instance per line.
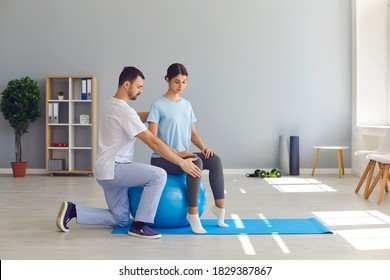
(174, 121)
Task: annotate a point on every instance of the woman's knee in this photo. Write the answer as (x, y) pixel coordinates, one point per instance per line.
(216, 160)
(213, 163)
(199, 163)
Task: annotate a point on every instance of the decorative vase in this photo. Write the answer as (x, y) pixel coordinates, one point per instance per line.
(19, 168)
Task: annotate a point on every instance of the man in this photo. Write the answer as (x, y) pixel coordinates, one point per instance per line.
(115, 169)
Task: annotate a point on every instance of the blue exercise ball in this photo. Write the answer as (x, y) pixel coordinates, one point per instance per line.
(173, 205)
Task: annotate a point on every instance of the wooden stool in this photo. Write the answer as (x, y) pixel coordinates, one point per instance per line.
(340, 159)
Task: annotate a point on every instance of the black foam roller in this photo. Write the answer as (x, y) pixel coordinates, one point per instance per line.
(294, 155)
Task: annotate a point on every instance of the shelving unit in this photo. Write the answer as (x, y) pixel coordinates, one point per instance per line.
(70, 144)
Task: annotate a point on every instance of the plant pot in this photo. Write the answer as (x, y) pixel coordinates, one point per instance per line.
(19, 168)
(60, 98)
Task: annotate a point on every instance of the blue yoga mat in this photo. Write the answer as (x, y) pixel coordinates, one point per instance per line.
(249, 226)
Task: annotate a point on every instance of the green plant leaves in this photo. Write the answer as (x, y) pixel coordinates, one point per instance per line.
(20, 106)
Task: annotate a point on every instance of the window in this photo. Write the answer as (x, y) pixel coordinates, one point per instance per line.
(371, 59)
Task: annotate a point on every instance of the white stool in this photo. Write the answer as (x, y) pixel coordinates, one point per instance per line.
(340, 159)
(384, 163)
(383, 148)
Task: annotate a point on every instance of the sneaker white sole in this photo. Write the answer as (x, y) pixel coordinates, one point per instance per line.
(144, 236)
(60, 217)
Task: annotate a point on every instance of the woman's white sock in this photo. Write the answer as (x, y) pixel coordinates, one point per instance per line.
(195, 224)
(220, 213)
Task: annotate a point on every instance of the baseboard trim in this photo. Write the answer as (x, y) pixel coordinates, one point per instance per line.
(303, 171)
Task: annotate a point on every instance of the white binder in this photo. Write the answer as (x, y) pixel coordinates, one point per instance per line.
(55, 113)
(50, 116)
(89, 89)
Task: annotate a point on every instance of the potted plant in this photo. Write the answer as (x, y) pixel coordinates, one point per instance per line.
(20, 106)
(60, 95)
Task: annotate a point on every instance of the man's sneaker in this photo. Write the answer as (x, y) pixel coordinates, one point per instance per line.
(144, 232)
(64, 215)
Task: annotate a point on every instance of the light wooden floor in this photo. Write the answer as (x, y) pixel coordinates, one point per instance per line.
(29, 206)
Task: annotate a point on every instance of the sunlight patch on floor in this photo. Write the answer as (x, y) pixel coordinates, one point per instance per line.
(278, 239)
(360, 239)
(360, 217)
(288, 184)
(246, 245)
(245, 242)
(367, 239)
(237, 221)
(291, 181)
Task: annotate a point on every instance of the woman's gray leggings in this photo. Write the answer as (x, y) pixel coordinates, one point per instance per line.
(213, 164)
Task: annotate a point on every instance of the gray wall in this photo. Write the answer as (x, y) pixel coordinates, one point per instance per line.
(257, 69)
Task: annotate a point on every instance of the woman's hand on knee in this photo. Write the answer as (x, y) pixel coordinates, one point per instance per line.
(207, 152)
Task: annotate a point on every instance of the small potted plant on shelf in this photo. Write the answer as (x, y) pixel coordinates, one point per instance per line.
(60, 95)
(20, 106)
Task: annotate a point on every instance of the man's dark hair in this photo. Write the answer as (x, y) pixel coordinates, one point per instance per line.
(129, 73)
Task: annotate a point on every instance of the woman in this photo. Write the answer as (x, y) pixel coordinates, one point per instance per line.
(171, 119)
